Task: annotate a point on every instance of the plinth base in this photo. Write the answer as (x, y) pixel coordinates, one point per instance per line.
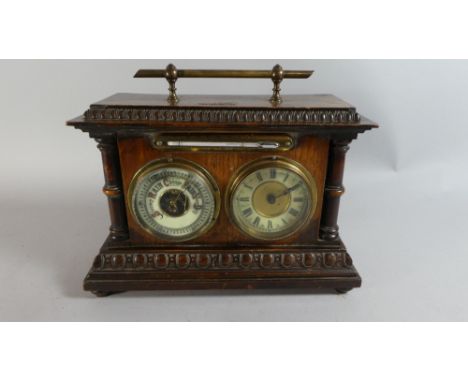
(116, 271)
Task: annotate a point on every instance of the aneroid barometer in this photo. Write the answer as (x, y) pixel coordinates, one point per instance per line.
(222, 191)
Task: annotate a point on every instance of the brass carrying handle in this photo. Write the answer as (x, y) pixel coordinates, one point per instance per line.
(277, 74)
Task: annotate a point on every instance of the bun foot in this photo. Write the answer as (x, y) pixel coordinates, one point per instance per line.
(101, 293)
(342, 290)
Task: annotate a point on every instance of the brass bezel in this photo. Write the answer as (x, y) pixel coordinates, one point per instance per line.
(255, 165)
(184, 164)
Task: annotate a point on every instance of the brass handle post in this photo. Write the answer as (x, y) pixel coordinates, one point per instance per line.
(171, 73)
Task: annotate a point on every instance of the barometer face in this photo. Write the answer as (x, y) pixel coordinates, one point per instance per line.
(272, 198)
(174, 200)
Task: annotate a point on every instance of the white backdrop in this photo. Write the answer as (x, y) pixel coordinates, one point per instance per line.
(403, 218)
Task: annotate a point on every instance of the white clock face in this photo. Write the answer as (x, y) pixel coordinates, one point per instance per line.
(175, 202)
(272, 200)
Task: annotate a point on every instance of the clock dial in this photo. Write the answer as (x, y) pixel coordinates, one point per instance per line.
(272, 199)
(174, 200)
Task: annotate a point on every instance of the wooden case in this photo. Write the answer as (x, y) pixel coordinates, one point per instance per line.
(127, 126)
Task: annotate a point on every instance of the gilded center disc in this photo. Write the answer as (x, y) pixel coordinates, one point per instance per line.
(271, 199)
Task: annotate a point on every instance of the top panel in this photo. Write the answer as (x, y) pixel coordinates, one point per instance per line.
(304, 102)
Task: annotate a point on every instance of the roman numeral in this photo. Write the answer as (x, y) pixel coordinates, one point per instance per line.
(294, 212)
(299, 200)
(256, 222)
(244, 199)
(286, 177)
(247, 186)
(270, 225)
(273, 173)
(247, 212)
(259, 176)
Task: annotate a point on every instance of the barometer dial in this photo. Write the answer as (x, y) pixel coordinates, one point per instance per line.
(271, 199)
(174, 200)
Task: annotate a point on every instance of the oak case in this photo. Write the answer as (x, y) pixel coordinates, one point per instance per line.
(127, 126)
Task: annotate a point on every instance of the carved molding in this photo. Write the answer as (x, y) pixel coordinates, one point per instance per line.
(334, 191)
(222, 261)
(341, 146)
(112, 191)
(280, 116)
(329, 233)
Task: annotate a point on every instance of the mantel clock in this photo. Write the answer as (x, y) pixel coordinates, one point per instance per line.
(222, 191)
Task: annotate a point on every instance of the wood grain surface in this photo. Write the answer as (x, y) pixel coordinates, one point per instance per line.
(311, 152)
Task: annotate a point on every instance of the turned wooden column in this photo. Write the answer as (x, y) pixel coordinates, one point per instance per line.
(113, 187)
(333, 189)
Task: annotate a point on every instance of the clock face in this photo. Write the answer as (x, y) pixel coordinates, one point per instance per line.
(174, 200)
(272, 199)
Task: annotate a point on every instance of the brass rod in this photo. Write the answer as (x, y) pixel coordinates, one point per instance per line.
(171, 74)
(195, 73)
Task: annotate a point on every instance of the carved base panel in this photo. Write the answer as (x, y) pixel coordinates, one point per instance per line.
(117, 271)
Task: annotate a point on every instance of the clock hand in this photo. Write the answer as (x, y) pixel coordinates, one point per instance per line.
(287, 191)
